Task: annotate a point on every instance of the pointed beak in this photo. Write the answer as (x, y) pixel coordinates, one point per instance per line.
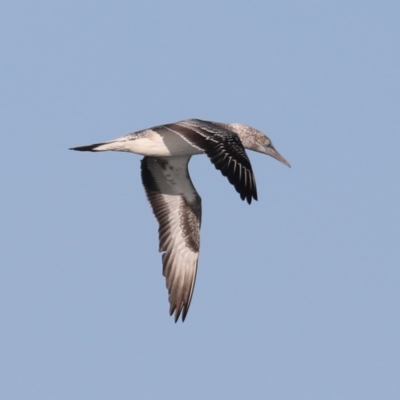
(270, 150)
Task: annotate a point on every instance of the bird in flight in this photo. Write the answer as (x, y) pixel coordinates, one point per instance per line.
(176, 204)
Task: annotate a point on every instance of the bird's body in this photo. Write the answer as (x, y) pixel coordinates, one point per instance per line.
(151, 143)
(170, 191)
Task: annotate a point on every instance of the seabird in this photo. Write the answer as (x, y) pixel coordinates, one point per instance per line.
(176, 204)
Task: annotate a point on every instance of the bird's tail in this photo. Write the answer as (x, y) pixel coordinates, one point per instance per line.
(113, 145)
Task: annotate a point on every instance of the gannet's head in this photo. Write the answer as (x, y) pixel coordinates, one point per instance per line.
(255, 140)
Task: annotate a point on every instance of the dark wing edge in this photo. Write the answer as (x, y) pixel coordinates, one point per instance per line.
(179, 225)
(225, 151)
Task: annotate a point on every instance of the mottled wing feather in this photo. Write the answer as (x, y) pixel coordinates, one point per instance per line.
(177, 207)
(225, 151)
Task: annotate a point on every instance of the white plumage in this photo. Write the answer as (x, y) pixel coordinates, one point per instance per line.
(172, 196)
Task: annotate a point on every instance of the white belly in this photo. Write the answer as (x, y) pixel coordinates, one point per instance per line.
(163, 145)
(153, 144)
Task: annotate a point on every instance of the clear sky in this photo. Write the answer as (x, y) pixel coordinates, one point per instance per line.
(297, 295)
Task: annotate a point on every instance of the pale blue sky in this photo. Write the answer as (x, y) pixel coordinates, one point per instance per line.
(297, 295)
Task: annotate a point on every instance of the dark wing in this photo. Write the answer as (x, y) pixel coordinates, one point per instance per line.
(177, 207)
(224, 149)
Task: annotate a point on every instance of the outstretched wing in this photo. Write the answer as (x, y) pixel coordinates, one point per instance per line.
(177, 207)
(224, 149)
